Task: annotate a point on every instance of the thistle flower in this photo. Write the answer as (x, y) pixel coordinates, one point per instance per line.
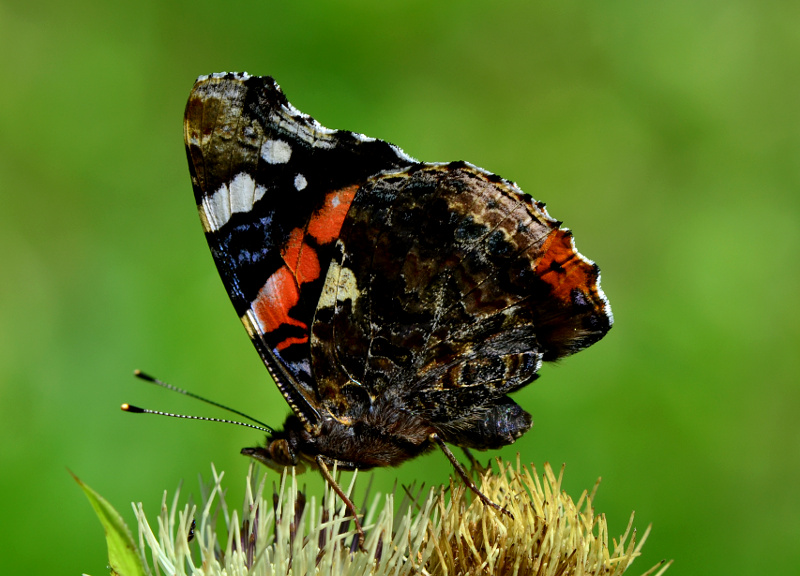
(446, 532)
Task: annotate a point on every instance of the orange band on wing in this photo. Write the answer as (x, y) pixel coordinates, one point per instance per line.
(561, 266)
(301, 259)
(326, 223)
(281, 292)
(275, 299)
(286, 342)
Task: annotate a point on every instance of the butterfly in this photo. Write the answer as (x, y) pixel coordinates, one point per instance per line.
(395, 303)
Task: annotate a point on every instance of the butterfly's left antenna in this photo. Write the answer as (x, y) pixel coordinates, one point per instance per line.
(147, 378)
(137, 410)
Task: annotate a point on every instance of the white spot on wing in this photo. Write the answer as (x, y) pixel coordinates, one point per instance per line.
(316, 135)
(340, 285)
(238, 196)
(300, 182)
(241, 190)
(237, 75)
(276, 151)
(217, 208)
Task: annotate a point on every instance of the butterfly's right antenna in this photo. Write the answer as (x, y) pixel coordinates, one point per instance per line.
(147, 378)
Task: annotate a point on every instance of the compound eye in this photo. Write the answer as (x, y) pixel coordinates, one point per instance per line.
(281, 453)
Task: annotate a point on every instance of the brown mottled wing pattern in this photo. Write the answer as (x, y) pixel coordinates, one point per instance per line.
(448, 289)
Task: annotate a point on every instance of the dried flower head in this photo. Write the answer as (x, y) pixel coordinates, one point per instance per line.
(446, 532)
(549, 534)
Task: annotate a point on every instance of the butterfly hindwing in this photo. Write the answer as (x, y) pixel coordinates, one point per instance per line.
(438, 296)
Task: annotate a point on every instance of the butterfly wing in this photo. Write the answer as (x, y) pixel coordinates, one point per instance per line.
(273, 188)
(449, 287)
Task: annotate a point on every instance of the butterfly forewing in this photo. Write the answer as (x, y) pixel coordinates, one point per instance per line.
(273, 187)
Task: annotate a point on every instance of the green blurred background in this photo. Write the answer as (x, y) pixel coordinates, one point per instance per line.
(665, 134)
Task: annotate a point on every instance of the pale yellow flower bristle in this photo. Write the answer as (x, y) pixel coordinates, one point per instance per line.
(446, 533)
(549, 532)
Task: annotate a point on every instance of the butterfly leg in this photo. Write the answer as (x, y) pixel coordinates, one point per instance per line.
(465, 476)
(474, 464)
(323, 468)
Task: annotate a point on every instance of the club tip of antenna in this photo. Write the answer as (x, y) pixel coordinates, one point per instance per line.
(139, 374)
(134, 409)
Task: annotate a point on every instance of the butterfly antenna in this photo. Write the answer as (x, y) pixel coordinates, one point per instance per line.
(137, 410)
(147, 378)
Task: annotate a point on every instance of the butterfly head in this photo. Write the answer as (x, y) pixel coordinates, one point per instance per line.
(281, 448)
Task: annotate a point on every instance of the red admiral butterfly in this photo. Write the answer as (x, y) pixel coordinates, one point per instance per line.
(395, 303)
